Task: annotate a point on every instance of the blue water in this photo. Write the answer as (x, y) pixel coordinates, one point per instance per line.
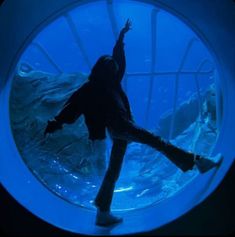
(64, 162)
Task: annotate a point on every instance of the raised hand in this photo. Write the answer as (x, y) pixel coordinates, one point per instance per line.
(127, 26)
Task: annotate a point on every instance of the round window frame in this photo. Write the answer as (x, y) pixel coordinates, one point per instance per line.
(65, 215)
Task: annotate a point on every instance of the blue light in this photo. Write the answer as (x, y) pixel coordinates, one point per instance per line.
(161, 184)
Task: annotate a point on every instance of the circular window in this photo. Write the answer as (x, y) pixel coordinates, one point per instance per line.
(170, 80)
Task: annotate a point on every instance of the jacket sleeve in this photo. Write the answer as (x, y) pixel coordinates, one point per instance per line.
(72, 109)
(119, 56)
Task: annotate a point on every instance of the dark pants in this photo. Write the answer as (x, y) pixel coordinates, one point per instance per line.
(122, 132)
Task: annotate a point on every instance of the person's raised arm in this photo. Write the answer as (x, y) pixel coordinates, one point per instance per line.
(71, 111)
(118, 51)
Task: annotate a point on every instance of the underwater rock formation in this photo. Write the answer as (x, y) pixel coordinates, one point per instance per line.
(37, 97)
(188, 112)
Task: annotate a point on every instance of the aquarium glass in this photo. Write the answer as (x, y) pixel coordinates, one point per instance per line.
(169, 81)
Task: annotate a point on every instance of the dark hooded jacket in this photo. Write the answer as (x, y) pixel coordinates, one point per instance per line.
(100, 104)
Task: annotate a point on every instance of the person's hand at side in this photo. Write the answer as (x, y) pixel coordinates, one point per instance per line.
(52, 126)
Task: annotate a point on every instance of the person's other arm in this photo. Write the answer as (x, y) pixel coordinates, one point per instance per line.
(119, 53)
(71, 111)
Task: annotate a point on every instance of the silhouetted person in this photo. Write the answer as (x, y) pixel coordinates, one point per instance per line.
(104, 104)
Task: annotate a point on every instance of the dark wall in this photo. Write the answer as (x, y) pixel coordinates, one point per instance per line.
(15, 220)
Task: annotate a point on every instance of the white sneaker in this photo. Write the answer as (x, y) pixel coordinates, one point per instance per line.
(106, 219)
(204, 164)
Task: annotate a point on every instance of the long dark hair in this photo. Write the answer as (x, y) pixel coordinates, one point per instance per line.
(104, 71)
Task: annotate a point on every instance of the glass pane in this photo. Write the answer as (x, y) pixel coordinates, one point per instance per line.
(67, 162)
